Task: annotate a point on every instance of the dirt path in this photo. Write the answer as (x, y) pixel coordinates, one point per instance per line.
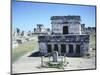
(30, 64)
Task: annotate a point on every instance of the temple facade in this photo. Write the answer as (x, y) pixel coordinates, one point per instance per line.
(66, 37)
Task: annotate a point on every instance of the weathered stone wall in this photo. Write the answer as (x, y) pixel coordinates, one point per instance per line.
(82, 40)
(74, 26)
(43, 47)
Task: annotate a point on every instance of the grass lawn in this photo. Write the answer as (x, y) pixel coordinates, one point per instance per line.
(23, 49)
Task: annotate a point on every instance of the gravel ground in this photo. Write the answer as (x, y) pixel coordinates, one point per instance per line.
(31, 64)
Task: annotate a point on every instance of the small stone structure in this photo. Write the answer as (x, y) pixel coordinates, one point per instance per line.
(66, 38)
(55, 56)
(41, 30)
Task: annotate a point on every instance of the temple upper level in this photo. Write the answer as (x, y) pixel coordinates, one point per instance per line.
(66, 24)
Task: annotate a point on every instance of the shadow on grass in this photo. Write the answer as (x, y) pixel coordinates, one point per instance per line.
(36, 54)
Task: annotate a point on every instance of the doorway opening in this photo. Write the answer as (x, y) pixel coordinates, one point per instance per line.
(55, 47)
(65, 29)
(63, 48)
(78, 49)
(71, 49)
(49, 48)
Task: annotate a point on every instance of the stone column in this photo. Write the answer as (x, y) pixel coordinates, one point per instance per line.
(59, 48)
(74, 48)
(52, 45)
(67, 48)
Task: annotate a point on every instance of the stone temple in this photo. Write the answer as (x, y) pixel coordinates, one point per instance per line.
(66, 37)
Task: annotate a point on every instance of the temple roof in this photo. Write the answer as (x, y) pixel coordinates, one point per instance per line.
(66, 17)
